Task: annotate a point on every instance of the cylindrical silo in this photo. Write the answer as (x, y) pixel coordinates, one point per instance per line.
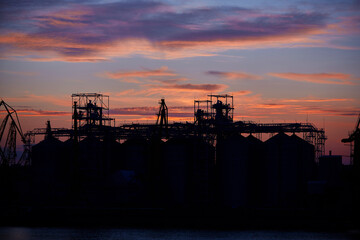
(188, 163)
(113, 156)
(202, 172)
(233, 161)
(90, 169)
(177, 156)
(306, 165)
(135, 154)
(280, 166)
(91, 157)
(256, 171)
(114, 181)
(155, 174)
(47, 170)
(288, 160)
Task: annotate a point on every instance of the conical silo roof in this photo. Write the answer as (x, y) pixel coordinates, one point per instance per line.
(253, 139)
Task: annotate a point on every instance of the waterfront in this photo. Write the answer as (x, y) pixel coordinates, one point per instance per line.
(25, 233)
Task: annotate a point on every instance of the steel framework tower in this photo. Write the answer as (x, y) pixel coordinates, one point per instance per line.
(211, 118)
(91, 109)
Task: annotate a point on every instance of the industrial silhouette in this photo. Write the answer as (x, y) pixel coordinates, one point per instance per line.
(213, 164)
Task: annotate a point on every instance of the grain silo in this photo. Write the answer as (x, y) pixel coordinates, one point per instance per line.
(203, 166)
(188, 163)
(281, 166)
(306, 161)
(48, 165)
(135, 153)
(256, 171)
(113, 164)
(289, 162)
(90, 169)
(177, 157)
(113, 158)
(233, 162)
(330, 168)
(155, 175)
(91, 157)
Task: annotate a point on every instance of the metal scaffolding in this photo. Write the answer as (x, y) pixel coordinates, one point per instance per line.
(209, 116)
(91, 109)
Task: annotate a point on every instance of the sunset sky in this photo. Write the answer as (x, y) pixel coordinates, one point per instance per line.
(284, 61)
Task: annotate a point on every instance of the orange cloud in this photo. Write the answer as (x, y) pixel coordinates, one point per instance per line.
(255, 106)
(98, 32)
(321, 78)
(152, 111)
(241, 93)
(36, 42)
(63, 101)
(346, 25)
(46, 48)
(247, 104)
(63, 18)
(319, 100)
(285, 40)
(271, 106)
(163, 71)
(347, 112)
(62, 48)
(40, 113)
(235, 75)
(192, 87)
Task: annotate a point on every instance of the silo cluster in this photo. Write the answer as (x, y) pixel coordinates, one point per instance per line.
(236, 172)
(274, 173)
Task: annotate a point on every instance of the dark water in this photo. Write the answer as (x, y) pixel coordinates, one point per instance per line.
(20, 233)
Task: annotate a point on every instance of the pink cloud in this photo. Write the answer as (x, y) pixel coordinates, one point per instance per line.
(163, 71)
(318, 100)
(64, 101)
(321, 78)
(40, 113)
(241, 93)
(97, 32)
(235, 75)
(193, 87)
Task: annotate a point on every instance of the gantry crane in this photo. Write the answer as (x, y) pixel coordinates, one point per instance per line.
(11, 123)
(355, 137)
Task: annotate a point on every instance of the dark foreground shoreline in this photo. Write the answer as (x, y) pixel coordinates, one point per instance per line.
(224, 219)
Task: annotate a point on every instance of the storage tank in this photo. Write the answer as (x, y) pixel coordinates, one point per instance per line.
(113, 156)
(114, 185)
(91, 156)
(136, 155)
(203, 167)
(256, 171)
(71, 154)
(48, 170)
(306, 161)
(188, 163)
(288, 163)
(155, 175)
(330, 168)
(233, 156)
(90, 170)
